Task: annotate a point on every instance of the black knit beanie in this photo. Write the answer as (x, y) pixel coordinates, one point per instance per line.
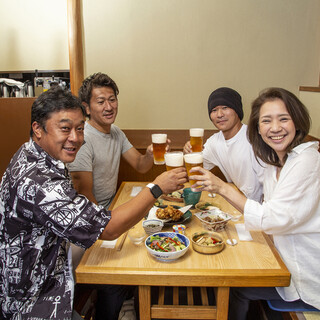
(226, 97)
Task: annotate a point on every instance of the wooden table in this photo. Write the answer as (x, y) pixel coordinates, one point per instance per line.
(248, 264)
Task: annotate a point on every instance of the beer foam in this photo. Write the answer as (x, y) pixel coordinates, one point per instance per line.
(196, 132)
(174, 159)
(194, 158)
(159, 137)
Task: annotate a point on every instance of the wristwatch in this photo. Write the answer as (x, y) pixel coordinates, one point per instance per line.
(155, 190)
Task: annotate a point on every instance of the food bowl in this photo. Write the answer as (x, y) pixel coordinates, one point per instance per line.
(207, 242)
(213, 220)
(205, 206)
(152, 226)
(164, 256)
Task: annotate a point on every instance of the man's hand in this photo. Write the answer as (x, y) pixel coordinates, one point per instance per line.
(187, 147)
(172, 180)
(150, 148)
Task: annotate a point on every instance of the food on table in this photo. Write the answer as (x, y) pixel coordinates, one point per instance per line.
(169, 213)
(166, 244)
(175, 196)
(206, 240)
(213, 218)
(205, 206)
(159, 202)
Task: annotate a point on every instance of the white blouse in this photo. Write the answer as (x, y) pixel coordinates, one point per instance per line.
(291, 213)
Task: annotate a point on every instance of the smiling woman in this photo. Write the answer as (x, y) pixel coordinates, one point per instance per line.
(276, 127)
(283, 122)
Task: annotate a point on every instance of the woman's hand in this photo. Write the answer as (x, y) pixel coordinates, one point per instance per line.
(206, 181)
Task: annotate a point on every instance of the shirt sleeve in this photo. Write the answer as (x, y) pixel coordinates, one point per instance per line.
(125, 143)
(67, 214)
(208, 155)
(292, 206)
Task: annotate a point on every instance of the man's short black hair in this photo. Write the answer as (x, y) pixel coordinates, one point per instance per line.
(54, 100)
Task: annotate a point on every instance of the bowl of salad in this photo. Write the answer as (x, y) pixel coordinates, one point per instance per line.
(167, 246)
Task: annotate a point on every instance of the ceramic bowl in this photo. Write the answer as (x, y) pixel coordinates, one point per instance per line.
(201, 242)
(168, 256)
(152, 226)
(213, 220)
(191, 197)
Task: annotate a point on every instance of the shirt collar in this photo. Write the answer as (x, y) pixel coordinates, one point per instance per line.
(302, 146)
(38, 152)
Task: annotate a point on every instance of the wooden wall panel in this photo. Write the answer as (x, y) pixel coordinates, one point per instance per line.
(14, 128)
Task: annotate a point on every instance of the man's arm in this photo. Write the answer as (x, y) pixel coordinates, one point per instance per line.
(131, 212)
(83, 183)
(141, 163)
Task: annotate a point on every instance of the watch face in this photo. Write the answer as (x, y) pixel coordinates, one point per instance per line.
(156, 191)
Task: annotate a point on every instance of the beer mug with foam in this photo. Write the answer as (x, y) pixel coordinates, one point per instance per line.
(194, 159)
(159, 143)
(196, 139)
(173, 159)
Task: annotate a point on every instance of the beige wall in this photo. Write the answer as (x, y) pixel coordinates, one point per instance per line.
(33, 35)
(312, 102)
(168, 55)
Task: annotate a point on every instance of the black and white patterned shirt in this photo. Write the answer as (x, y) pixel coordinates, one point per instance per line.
(40, 212)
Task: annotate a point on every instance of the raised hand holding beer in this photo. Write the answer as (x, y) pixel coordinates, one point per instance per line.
(194, 159)
(159, 144)
(196, 139)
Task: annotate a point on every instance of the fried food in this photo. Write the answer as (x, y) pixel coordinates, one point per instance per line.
(169, 213)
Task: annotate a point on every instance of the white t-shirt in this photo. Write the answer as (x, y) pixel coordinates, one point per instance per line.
(101, 155)
(291, 213)
(237, 162)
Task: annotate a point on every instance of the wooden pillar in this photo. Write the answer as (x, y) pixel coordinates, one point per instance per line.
(75, 44)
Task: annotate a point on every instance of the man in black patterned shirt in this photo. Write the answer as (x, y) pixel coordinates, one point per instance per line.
(41, 213)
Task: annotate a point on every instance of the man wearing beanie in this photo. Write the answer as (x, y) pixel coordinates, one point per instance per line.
(229, 149)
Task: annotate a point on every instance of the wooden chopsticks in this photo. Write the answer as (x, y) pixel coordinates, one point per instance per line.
(122, 241)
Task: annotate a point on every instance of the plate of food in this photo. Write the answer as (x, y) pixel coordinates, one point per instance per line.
(170, 214)
(205, 206)
(175, 196)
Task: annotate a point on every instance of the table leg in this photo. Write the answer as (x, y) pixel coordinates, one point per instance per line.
(145, 302)
(222, 300)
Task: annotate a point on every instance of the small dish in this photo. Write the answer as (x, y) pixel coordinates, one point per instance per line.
(205, 206)
(152, 226)
(207, 242)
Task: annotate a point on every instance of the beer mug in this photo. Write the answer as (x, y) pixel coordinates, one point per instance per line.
(159, 143)
(173, 159)
(196, 139)
(194, 159)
